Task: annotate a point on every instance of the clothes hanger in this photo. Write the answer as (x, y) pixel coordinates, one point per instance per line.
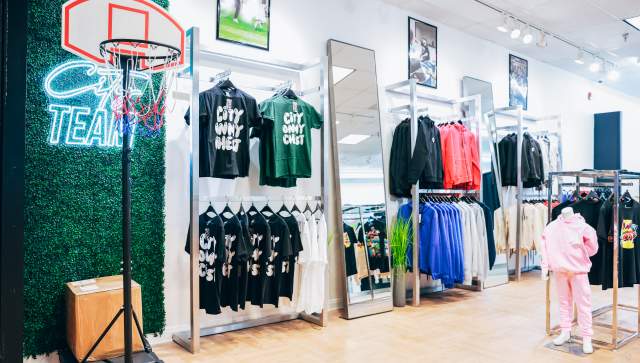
(210, 209)
(307, 208)
(295, 208)
(227, 209)
(267, 209)
(283, 211)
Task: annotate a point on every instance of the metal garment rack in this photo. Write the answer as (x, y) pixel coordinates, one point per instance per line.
(190, 339)
(618, 177)
(517, 113)
(413, 110)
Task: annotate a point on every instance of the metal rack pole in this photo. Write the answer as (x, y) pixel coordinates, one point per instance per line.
(194, 195)
(616, 242)
(518, 268)
(415, 198)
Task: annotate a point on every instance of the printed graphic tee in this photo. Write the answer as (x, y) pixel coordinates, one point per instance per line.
(629, 248)
(349, 237)
(226, 114)
(244, 263)
(211, 255)
(260, 237)
(235, 255)
(278, 260)
(292, 120)
(289, 264)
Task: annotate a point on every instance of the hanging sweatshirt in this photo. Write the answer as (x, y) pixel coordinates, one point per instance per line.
(426, 161)
(399, 161)
(567, 244)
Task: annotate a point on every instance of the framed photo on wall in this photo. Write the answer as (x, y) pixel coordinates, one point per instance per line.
(423, 53)
(245, 22)
(518, 81)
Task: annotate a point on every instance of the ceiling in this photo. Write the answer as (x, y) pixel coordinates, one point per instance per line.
(595, 25)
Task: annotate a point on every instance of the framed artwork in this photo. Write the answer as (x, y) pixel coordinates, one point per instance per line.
(518, 81)
(423, 53)
(245, 22)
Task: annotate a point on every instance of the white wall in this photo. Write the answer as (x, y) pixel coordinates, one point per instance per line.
(300, 29)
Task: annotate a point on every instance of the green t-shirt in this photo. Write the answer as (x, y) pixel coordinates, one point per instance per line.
(292, 121)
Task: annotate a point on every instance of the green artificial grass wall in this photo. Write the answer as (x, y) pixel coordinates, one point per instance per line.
(73, 204)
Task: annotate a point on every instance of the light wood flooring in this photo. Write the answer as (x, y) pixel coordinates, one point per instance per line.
(501, 324)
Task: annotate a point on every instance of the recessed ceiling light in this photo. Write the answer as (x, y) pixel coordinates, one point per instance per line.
(634, 22)
(353, 139)
(613, 74)
(340, 73)
(528, 37)
(504, 26)
(594, 66)
(580, 58)
(515, 33)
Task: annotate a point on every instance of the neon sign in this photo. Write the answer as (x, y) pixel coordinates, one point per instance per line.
(80, 94)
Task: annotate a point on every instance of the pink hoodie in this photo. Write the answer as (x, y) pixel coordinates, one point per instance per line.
(567, 244)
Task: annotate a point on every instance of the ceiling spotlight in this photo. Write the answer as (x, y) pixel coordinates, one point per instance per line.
(613, 74)
(515, 33)
(528, 37)
(542, 41)
(504, 26)
(580, 58)
(594, 66)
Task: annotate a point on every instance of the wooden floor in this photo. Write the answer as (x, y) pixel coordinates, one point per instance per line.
(501, 324)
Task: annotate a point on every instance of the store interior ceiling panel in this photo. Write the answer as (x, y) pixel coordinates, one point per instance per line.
(595, 25)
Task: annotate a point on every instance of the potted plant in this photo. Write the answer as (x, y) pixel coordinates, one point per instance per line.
(399, 242)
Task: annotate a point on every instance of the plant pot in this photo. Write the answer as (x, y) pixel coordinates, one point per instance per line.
(399, 287)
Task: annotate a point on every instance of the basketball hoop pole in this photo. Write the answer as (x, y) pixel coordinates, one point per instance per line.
(126, 213)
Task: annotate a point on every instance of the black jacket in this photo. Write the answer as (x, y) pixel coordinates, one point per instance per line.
(532, 164)
(426, 162)
(399, 161)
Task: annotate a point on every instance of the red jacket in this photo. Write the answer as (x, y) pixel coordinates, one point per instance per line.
(461, 157)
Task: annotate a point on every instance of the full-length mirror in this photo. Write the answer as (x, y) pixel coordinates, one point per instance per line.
(498, 272)
(359, 182)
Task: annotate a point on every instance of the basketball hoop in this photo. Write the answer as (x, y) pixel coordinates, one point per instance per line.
(148, 106)
(145, 45)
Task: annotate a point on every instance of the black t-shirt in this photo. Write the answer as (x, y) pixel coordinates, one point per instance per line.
(243, 283)
(555, 212)
(629, 248)
(226, 114)
(590, 209)
(278, 259)
(289, 265)
(260, 235)
(235, 256)
(211, 258)
(349, 249)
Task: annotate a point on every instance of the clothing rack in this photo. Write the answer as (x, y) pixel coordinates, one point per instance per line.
(409, 89)
(517, 113)
(618, 177)
(190, 339)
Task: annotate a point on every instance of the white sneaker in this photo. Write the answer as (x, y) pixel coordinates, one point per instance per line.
(587, 347)
(564, 337)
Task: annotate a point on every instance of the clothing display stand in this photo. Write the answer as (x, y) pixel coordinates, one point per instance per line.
(618, 176)
(517, 113)
(409, 89)
(190, 339)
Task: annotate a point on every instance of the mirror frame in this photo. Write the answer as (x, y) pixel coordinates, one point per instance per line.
(490, 126)
(384, 302)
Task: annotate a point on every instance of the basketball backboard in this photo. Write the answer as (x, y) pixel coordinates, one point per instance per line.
(87, 23)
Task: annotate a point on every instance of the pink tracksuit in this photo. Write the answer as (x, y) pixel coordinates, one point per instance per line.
(567, 244)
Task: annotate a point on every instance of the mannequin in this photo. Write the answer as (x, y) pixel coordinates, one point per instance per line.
(566, 243)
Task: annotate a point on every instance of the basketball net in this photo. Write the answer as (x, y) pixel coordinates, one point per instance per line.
(150, 78)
